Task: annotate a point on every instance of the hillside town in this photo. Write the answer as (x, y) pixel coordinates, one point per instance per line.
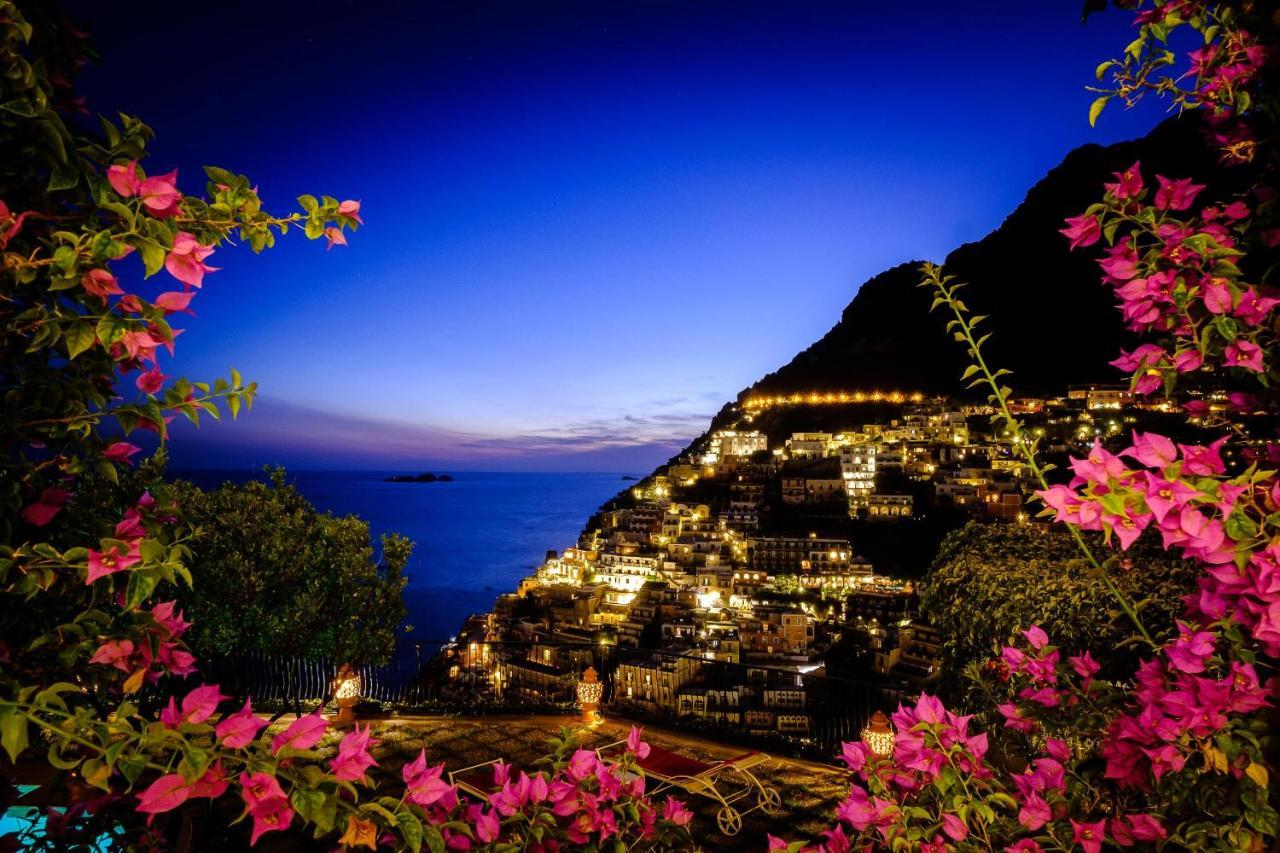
(735, 577)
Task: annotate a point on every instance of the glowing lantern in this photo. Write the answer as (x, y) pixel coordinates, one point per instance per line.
(878, 735)
(589, 692)
(346, 694)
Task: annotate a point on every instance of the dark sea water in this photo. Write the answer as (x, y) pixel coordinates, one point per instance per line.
(474, 538)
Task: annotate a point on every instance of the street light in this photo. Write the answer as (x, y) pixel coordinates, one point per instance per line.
(589, 692)
(877, 734)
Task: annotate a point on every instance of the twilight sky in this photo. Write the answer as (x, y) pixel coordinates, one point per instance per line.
(589, 224)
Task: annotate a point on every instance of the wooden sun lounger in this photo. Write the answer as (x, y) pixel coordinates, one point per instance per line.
(476, 780)
(671, 770)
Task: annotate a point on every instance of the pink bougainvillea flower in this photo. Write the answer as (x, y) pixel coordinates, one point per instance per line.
(487, 826)
(1243, 353)
(197, 706)
(1176, 194)
(954, 827)
(353, 757)
(238, 730)
(124, 178)
(160, 194)
(166, 793)
(582, 764)
(1035, 812)
(675, 811)
(110, 561)
(1254, 308)
(1128, 184)
(1121, 262)
(115, 653)
(1083, 230)
(1088, 835)
(1203, 461)
(1152, 450)
(120, 451)
(256, 787)
(52, 500)
(335, 237)
(303, 733)
(1236, 211)
(1187, 360)
(352, 209)
(1216, 295)
(150, 381)
(1036, 637)
(855, 754)
(178, 660)
(1142, 357)
(636, 744)
(174, 301)
(265, 802)
(10, 225)
(1025, 845)
(100, 283)
(424, 785)
(1086, 667)
(166, 613)
(185, 260)
(212, 784)
(1190, 650)
(269, 815)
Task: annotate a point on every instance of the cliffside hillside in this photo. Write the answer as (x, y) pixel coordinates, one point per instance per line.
(1040, 298)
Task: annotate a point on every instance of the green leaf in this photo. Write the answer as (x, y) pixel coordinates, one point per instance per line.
(1095, 109)
(435, 841)
(79, 336)
(152, 256)
(410, 829)
(13, 732)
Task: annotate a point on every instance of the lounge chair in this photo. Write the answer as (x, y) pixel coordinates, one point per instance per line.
(672, 770)
(476, 780)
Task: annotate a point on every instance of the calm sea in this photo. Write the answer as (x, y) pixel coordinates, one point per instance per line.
(474, 538)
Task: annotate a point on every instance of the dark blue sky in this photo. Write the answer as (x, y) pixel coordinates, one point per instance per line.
(589, 224)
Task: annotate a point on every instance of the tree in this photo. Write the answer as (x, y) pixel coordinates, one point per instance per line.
(1015, 575)
(271, 574)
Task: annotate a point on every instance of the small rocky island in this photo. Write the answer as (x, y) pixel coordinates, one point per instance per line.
(419, 478)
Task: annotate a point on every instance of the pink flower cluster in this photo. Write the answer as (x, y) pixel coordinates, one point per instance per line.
(1179, 703)
(149, 654)
(1179, 492)
(1038, 665)
(1171, 279)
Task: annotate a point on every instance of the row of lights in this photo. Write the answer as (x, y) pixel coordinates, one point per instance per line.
(834, 397)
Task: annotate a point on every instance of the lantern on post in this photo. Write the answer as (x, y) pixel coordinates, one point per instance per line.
(346, 694)
(589, 692)
(877, 734)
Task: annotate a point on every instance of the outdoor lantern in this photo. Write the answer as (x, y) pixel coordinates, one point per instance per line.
(589, 692)
(877, 734)
(346, 693)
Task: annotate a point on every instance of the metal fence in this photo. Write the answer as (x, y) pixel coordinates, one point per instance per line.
(762, 703)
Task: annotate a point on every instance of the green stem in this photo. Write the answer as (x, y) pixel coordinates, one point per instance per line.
(1026, 445)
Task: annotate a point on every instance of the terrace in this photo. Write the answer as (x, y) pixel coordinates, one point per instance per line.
(809, 790)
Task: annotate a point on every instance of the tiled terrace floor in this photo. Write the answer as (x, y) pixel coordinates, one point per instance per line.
(809, 791)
